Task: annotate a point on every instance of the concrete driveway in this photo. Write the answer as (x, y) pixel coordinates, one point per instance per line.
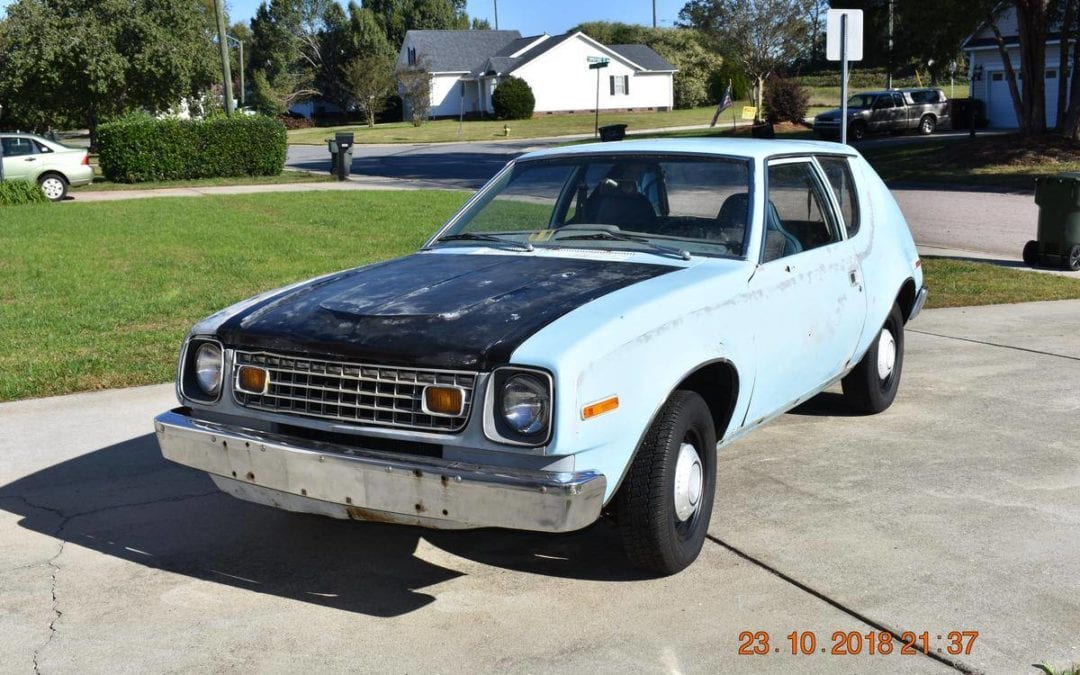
(954, 510)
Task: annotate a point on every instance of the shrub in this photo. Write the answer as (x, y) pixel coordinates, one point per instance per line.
(142, 148)
(16, 192)
(513, 99)
(785, 101)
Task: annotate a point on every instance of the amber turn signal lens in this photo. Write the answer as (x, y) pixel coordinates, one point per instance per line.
(600, 407)
(444, 400)
(252, 380)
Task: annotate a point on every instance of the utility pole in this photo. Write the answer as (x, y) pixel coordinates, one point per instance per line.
(496, 14)
(888, 75)
(654, 13)
(223, 44)
(240, 44)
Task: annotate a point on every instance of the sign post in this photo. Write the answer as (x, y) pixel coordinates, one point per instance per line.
(597, 63)
(843, 43)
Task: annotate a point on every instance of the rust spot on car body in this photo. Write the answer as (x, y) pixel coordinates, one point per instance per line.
(360, 513)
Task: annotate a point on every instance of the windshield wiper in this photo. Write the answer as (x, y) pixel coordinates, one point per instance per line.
(473, 236)
(615, 235)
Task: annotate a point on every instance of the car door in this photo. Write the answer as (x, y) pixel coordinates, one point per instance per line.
(809, 305)
(19, 158)
(881, 114)
(903, 112)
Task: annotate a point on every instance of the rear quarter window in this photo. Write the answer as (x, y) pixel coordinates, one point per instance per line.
(842, 182)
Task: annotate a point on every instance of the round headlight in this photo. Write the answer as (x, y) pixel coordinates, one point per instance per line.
(525, 404)
(208, 365)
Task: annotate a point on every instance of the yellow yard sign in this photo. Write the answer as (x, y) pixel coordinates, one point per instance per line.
(749, 112)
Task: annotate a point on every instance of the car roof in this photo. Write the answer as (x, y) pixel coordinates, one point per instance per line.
(728, 147)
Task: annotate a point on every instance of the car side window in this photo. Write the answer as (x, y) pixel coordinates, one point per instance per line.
(15, 147)
(898, 99)
(796, 216)
(838, 171)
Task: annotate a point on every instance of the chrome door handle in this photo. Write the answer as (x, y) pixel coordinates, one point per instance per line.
(30, 159)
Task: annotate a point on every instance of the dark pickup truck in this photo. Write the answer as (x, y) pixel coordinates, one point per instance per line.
(896, 111)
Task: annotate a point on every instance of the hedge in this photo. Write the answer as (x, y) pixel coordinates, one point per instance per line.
(15, 192)
(142, 148)
(513, 99)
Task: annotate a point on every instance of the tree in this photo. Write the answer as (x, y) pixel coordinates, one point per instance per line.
(398, 16)
(82, 62)
(763, 35)
(1033, 28)
(415, 86)
(370, 80)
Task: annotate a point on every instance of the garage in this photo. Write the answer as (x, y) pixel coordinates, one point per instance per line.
(999, 105)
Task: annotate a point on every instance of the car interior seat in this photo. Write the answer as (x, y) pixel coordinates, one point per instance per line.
(779, 243)
(618, 202)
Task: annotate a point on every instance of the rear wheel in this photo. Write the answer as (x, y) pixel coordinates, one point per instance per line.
(1073, 259)
(927, 125)
(872, 385)
(665, 502)
(1031, 253)
(54, 186)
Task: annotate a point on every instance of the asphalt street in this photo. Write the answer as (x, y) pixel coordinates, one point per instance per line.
(955, 510)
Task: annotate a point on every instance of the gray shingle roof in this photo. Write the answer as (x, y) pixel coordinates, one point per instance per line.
(643, 56)
(458, 50)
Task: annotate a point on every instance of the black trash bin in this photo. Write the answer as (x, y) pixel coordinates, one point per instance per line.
(341, 153)
(613, 132)
(1058, 241)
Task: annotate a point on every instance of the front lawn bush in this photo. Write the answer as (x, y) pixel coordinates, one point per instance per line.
(15, 192)
(513, 99)
(142, 148)
(785, 101)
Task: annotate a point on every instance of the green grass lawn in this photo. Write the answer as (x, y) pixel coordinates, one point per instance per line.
(285, 177)
(442, 131)
(99, 295)
(1009, 162)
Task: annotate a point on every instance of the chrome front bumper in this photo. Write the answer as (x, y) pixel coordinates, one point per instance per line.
(349, 482)
(920, 300)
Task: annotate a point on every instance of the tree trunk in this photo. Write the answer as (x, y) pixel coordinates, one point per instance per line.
(760, 102)
(1034, 31)
(1063, 61)
(1071, 127)
(1010, 74)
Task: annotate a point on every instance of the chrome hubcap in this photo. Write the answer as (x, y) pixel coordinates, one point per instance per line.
(688, 482)
(52, 187)
(886, 354)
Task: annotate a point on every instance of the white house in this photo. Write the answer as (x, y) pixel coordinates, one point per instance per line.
(987, 70)
(467, 65)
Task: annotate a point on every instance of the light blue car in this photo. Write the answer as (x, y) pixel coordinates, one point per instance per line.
(578, 341)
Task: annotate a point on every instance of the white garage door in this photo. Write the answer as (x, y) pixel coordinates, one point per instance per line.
(1000, 106)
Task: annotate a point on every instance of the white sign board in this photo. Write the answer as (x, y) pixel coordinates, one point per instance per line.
(854, 34)
(597, 59)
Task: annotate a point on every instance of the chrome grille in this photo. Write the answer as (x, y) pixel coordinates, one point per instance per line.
(352, 392)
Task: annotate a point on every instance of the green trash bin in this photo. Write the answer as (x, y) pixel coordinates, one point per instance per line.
(1058, 242)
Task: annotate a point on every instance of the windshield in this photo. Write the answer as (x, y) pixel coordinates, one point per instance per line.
(655, 203)
(861, 101)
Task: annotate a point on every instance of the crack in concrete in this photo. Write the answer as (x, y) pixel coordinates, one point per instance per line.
(66, 520)
(854, 613)
(995, 344)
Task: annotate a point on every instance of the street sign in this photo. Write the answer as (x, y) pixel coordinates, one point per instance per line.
(854, 34)
(597, 59)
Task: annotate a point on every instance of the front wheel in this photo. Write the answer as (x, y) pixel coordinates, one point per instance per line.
(54, 186)
(872, 385)
(665, 502)
(927, 125)
(856, 132)
(1073, 259)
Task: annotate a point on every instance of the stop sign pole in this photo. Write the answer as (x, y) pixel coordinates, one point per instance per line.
(596, 63)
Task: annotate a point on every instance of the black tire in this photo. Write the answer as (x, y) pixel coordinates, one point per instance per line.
(54, 186)
(1031, 253)
(927, 125)
(865, 389)
(856, 132)
(654, 537)
(1072, 261)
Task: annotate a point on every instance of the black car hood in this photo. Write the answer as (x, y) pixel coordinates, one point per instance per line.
(463, 311)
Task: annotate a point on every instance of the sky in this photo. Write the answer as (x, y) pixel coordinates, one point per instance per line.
(532, 17)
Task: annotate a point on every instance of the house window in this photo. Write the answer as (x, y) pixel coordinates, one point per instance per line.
(1051, 74)
(997, 77)
(411, 55)
(620, 84)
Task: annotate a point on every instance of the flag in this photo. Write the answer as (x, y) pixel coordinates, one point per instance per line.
(725, 103)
